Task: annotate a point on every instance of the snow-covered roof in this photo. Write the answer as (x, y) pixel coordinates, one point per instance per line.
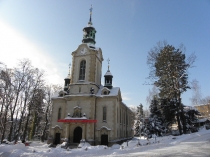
(57, 126)
(67, 77)
(56, 94)
(104, 127)
(68, 117)
(113, 92)
(108, 73)
(202, 120)
(77, 107)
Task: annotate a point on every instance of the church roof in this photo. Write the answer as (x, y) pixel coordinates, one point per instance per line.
(113, 92)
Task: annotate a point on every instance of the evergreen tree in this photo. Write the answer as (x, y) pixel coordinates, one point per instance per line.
(169, 73)
(155, 108)
(139, 120)
(168, 111)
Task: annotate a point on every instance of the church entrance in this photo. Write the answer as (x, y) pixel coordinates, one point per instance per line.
(77, 134)
(104, 140)
(57, 138)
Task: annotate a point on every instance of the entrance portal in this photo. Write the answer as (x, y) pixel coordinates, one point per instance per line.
(57, 138)
(77, 134)
(104, 140)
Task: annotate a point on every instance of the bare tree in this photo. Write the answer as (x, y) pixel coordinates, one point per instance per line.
(49, 92)
(35, 101)
(25, 102)
(205, 100)
(196, 89)
(6, 99)
(152, 93)
(20, 75)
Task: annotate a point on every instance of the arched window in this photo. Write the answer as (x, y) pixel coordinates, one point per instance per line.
(104, 113)
(82, 70)
(59, 113)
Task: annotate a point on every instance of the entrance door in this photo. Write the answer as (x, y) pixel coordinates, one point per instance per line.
(104, 140)
(57, 138)
(77, 134)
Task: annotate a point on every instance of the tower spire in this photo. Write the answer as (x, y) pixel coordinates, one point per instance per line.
(90, 21)
(67, 79)
(89, 32)
(108, 60)
(69, 70)
(108, 77)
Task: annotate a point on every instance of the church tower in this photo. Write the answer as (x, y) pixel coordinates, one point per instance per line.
(86, 63)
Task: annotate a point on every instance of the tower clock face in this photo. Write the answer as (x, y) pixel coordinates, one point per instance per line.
(83, 51)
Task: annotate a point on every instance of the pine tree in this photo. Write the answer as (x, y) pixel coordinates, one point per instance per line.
(169, 73)
(139, 120)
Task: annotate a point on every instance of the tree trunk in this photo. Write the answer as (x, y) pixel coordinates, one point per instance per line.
(4, 123)
(12, 114)
(46, 123)
(26, 126)
(21, 119)
(33, 126)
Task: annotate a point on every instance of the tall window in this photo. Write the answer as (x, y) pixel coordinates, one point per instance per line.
(117, 114)
(59, 113)
(82, 70)
(120, 116)
(104, 113)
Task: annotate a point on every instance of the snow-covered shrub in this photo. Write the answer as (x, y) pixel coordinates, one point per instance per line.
(115, 146)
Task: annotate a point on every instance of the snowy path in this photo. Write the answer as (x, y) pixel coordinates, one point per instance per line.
(190, 145)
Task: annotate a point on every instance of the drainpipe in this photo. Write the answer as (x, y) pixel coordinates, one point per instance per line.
(126, 120)
(94, 131)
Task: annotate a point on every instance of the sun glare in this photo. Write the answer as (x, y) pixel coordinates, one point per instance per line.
(14, 46)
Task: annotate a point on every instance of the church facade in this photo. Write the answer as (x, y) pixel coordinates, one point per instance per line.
(86, 110)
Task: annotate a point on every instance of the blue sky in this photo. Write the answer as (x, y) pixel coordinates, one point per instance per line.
(48, 31)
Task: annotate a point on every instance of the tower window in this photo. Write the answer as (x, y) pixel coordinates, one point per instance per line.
(59, 113)
(82, 70)
(104, 114)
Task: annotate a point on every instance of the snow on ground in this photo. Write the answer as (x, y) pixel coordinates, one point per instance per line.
(194, 144)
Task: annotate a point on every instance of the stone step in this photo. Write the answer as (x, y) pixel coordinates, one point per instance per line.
(73, 145)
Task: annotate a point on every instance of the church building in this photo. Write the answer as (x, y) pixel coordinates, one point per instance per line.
(86, 110)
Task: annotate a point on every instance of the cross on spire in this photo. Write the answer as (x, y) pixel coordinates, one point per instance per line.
(108, 60)
(91, 9)
(69, 68)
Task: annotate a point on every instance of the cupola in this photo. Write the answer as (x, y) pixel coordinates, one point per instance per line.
(67, 80)
(108, 78)
(89, 32)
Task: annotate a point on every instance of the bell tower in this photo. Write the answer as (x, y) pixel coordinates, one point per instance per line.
(86, 63)
(89, 32)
